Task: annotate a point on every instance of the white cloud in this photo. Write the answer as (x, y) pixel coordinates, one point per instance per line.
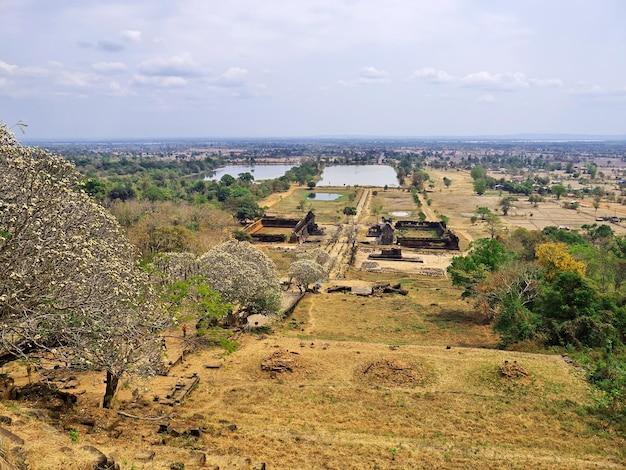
(7, 68)
(109, 67)
(115, 89)
(497, 81)
(160, 81)
(177, 66)
(546, 82)
(131, 35)
(432, 75)
(367, 76)
(234, 77)
(486, 98)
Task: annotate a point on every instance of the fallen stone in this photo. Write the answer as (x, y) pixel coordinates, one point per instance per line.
(100, 460)
(8, 435)
(145, 456)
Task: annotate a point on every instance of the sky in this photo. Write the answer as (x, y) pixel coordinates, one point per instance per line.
(96, 69)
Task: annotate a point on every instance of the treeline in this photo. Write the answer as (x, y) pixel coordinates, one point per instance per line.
(556, 289)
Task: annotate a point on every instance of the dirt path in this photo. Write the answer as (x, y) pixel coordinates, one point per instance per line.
(274, 198)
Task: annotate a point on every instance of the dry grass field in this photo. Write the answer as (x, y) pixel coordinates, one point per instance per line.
(349, 382)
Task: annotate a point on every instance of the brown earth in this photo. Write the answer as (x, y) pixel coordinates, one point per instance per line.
(386, 381)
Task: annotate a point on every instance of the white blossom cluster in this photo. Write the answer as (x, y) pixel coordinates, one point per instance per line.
(305, 272)
(69, 283)
(244, 276)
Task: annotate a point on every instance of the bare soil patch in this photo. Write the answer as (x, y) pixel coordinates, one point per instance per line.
(391, 372)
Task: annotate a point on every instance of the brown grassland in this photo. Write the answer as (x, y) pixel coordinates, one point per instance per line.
(384, 381)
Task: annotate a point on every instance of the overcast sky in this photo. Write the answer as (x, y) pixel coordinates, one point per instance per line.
(289, 68)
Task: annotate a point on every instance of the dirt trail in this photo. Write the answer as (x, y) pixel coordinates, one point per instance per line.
(274, 198)
(341, 243)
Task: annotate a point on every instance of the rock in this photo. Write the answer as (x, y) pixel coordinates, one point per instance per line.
(177, 466)
(260, 466)
(100, 460)
(195, 432)
(6, 420)
(232, 427)
(145, 456)
(163, 427)
(176, 432)
(72, 384)
(201, 459)
(4, 434)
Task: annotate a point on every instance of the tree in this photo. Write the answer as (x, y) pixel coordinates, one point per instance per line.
(305, 272)
(596, 204)
(242, 236)
(227, 180)
(478, 172)
(485, 255)
(555, 258)
(349, 210)
(69, 284)
(447, 181)
(493, 223)
(245, 178)
(480, 186)
(505, 203)
(506, 296)
(244, 276)
(558, 190)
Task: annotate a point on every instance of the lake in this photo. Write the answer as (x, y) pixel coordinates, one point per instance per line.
(361, 175)
(334, 175)
(260, 172)
(324, 196)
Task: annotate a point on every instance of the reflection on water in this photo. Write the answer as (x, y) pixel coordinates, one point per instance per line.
(260, 172)
(324, 196)
(361, 175)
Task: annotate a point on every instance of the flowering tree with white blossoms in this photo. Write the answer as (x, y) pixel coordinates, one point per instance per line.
(305, 272)
(69, 283)
(244, 276)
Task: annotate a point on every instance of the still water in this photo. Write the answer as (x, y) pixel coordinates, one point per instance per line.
(260, 172)
(361, 175)
(324, 196)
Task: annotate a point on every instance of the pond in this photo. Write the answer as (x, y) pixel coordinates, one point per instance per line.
(260, 172)
(359, 175)
(324, 196)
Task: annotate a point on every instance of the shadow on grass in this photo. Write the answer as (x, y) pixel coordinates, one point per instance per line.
(449, 318)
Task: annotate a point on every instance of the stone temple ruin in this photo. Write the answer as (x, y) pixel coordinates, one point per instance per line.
(434, 235)
(272, 228)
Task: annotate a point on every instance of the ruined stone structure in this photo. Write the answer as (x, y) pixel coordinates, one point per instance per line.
(300, 228)
(445, 239)
(390, 253)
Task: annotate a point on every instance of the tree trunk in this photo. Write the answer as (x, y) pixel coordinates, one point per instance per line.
(112, 381)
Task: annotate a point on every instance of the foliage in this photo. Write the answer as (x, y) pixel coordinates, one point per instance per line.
(555, 258)
(574, 312)
(485, 255)
(506, 296)
(305, 272)
(478, 172)
(242, 236)
(244, 276)
(349, 210)
(69, 284)
(558, 190)
(566, 236)
(480, 186)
